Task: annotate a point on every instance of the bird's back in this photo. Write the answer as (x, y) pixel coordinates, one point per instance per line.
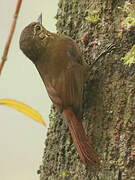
(63, 73)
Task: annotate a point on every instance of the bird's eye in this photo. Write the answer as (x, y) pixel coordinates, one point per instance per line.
(38, 28)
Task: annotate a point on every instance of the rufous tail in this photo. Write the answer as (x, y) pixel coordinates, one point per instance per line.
(80, 139)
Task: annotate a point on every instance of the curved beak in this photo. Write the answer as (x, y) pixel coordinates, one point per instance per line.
(39, 20)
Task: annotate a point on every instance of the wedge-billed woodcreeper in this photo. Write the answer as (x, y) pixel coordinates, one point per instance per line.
(57, 59)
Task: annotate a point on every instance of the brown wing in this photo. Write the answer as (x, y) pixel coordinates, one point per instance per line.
(62, 73)
(67, 89)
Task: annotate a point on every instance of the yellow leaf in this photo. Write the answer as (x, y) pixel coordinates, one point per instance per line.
(23, 108)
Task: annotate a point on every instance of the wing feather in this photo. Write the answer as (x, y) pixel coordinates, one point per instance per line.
(67, 89)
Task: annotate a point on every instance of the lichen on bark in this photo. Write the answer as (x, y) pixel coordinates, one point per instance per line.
(109, 97)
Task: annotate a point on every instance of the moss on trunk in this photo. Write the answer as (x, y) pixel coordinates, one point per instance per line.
(109, 95)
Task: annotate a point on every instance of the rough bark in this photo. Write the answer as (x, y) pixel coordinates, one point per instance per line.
(109, 97)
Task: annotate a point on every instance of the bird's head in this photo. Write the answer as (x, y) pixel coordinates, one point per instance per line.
(33, 40)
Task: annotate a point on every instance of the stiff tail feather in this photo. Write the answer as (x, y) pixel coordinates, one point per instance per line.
(80, 140)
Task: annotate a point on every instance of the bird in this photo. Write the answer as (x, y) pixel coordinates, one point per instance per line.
(58, 60)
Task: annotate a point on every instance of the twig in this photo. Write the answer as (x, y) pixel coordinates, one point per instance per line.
(12, 29)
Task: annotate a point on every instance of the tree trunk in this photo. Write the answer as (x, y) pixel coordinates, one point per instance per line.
(109, 95)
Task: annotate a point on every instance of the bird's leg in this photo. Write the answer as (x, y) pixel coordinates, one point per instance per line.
(104, 52)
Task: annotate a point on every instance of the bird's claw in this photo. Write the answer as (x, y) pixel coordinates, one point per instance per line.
(107, 50)
(110, 48)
